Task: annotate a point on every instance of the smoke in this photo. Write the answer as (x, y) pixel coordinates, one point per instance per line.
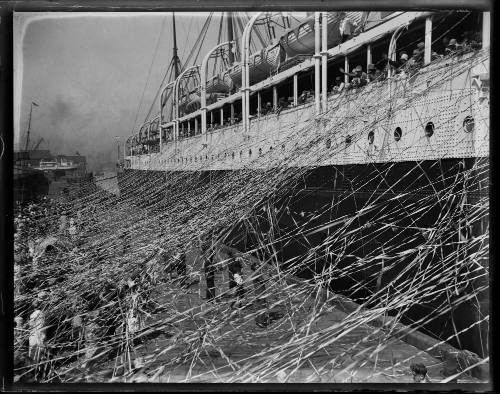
(61, 109)
(93, 76)
(68, 127)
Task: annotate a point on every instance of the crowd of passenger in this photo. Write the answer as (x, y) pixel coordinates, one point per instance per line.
(405, 65)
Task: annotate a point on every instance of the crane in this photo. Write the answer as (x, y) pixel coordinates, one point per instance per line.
(38, 144)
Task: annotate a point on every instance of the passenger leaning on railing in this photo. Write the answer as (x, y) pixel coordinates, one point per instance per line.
(373, 73)
(338, 86)
(359, 78)
(470, 40)
(421, 49)
(383, 63)
(268, 109)
(397, 65)
(282, 104)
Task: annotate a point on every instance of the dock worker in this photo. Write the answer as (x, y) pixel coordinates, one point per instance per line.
(235, 269)
(63, 222)
(20, 358)
(72, 230)
(179, 265)
(419, 372)
(37, 326)
(208, 252)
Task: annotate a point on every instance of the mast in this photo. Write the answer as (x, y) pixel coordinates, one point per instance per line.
(28, 132)
(29, 125)
(175, 58)
(230, 36)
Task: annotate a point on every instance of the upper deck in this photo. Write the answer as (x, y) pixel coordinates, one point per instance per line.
(396, 119)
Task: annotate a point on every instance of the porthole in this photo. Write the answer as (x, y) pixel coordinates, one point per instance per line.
(348, 140)
(398, 133)
(270, 148)
(429, 129)
(206, 157)
(328, 143)
(371, 137)
(249, 152)
(468, 124)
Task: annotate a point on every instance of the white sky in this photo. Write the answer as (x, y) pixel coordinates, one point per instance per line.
(87, 72)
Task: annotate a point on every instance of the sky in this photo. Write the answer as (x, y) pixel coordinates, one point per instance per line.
(88, 71)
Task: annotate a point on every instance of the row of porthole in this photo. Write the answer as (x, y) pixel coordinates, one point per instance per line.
(468, 125)
(190, 159)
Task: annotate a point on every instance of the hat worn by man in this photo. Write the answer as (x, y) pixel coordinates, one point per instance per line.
(358, 69)
(370, 67)
(42, 296)
(404, 56)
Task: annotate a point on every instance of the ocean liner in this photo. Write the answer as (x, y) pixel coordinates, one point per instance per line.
(390, 151)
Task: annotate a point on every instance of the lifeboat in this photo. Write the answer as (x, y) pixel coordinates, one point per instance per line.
(262, 64)
(289, 50)
(220, 83)
(301, 40)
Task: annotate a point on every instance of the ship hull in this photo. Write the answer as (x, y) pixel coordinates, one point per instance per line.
(348, 189)
(30, 185)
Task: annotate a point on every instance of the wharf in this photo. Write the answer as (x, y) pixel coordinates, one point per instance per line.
(314, 341)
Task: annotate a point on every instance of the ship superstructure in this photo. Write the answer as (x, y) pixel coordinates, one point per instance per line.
(407, 134)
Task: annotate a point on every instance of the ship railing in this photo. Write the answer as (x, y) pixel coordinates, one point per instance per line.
(397, 21)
